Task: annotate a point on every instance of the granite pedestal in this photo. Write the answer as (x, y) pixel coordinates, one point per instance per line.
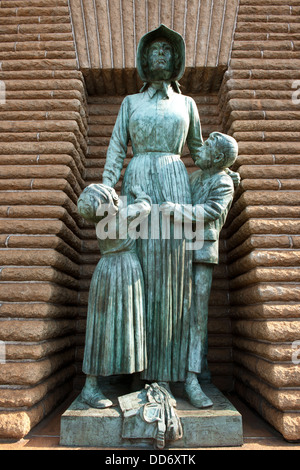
(219, 426)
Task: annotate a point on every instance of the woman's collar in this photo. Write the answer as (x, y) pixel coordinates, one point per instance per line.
(163, 86)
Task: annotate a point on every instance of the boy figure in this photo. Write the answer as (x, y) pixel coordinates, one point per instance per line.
(212, 189)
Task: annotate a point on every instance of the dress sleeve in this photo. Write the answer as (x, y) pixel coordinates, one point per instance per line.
(117, 149)
(142, 204)
(194, 137)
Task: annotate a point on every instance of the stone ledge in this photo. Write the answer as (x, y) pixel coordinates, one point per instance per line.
(219, 426)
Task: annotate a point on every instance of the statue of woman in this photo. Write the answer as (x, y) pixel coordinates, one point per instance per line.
(159, 121)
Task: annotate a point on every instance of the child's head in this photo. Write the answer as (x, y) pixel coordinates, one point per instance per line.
(219, 151)
(93, 197)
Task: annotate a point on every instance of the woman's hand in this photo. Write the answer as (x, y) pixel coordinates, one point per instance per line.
(107, 182)
(136, 191)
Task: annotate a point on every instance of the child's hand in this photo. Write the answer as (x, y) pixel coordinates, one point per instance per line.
(198, 161)
(167, 207)
(234, 176)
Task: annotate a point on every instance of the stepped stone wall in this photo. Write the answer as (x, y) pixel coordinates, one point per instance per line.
(65, 78)
(43, 128)
(263, 229)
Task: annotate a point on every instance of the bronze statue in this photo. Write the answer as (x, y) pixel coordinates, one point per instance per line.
(159, 121)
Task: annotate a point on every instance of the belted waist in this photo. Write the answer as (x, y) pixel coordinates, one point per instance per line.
(156, 154)
(119, 253)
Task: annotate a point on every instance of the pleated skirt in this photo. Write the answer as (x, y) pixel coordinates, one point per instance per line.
(115, 332)
(166, 265)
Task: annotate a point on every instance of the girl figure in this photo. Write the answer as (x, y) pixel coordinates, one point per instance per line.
(115, 331)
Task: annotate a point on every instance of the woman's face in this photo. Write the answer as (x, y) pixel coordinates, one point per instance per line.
(160, 60)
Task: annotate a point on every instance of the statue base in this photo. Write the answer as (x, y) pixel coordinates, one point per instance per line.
(218, 426)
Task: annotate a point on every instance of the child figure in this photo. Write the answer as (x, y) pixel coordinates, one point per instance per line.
(212, 189)
(115, 331)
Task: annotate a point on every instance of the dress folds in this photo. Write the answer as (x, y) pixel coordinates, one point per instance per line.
(115, 336)
(116, 321)
(158, 126)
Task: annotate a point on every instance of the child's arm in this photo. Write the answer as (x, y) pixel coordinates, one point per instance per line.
(219, 198)
(218, 201)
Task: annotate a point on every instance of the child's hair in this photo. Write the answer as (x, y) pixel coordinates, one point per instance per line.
(228, 146)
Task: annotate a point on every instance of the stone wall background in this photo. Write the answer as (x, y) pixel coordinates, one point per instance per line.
(54, 129)
(263, 233)
(43, 128)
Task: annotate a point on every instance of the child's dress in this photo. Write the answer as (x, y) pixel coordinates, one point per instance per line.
(116, 331)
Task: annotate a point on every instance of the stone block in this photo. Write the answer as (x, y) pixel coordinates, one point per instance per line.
(49, 241)
(16, 424)
(219, 426)
(282, 275)
(40, 258)
(37, 274)
(268, 330)
(275, 374)
(258, 258)
(267, 311)
(37, 310)
(285, 399)
(37, 291)
(35, 330)
(43, 11)
(33, 372)
(273, 171)
(12, 397)
(280, 352)
(34, 3)
(35, 351)
(288, 424)
(265, 293)
(37, 227)
(259, 241)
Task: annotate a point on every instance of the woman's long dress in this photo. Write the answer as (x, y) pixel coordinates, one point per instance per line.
(158, 126)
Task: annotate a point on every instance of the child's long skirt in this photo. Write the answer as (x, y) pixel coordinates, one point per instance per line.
(115, 332)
